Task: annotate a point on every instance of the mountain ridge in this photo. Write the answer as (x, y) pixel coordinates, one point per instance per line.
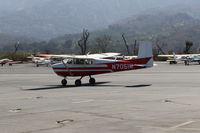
(49, 18)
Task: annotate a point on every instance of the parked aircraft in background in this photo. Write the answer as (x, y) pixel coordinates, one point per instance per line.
(191, 59)
(186, 58)
(39, 60)
(48, 56)
(8, 61)
(87, 66)
(5, 61)
(42, 61)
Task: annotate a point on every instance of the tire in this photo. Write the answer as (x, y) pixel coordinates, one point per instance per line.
(186, 63)
(92, 81)
(78, 82)
(64, 82)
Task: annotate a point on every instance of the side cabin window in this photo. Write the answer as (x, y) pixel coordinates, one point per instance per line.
(80, 61)
(119, 58)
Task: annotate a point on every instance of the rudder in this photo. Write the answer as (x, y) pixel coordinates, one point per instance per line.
(145, 50)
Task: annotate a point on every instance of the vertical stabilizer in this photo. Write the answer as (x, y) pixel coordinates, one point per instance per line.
(174, 55)
(145, 50)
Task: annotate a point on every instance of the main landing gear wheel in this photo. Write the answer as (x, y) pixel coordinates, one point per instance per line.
(64, 82)
(92, 81)
(78, 82)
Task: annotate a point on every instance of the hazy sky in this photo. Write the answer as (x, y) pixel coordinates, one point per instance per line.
(136, 5)
(8, 4)
(73, 15)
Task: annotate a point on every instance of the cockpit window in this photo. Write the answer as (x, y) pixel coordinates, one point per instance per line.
(69, 61)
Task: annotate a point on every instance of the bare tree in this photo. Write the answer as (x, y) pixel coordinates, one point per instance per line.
(82, 43)
(125, 43)
(135, 48)
(159, 47)
(17, 45)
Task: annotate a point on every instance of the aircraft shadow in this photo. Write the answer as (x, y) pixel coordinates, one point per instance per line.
(137, 86)
(99, 84)
(51, 87)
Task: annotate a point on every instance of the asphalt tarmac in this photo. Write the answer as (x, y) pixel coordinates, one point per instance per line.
(162, 99)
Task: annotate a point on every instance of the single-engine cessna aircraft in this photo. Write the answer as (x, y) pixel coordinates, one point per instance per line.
(186, 58)
(191, 59)
(6, 61)
(91, 66)
(9, 62)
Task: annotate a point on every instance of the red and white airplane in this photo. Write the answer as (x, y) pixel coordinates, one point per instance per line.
(91, 66)
(8, 61)
(5, 61)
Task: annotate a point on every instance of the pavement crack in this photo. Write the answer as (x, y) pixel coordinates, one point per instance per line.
(73, 111)
(170, 101)
(97, 114)
(45, 129)
(61, 123)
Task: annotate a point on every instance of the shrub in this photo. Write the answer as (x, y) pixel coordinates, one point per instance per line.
(18, 56)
